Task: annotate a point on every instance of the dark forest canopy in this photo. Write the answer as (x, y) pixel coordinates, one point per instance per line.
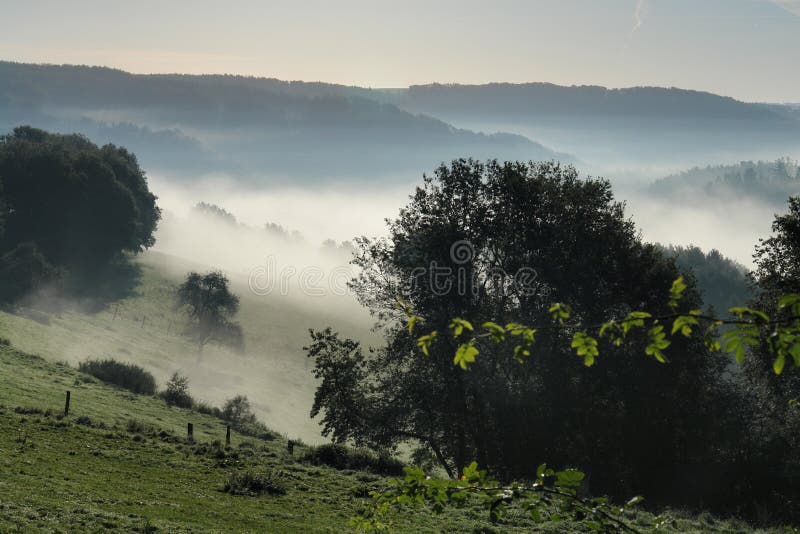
(722, 282)
(67, 203)
(634, 424)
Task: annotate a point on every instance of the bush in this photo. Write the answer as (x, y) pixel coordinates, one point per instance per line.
(177, 392)
(22, 270)
(251, 482)
(125, 375)
(238, 413)
(341, 457)
(208, 409)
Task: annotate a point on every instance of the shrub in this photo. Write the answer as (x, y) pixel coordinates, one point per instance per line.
(24, 269)
(208, 409)
(177, 392)
(341, 457)
(135, 426)
(125, 375)
(251, 482)
(238, 413)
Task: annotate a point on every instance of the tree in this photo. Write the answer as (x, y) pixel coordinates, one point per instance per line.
(75, 202)
(211, 306)
(502, 242)
(238, 412)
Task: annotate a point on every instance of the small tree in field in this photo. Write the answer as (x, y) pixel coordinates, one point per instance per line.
(211, 306)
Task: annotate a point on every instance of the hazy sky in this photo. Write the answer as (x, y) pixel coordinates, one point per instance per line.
(749, 49)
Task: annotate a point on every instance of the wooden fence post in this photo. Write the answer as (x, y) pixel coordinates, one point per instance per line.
(190, 430)
(66, 405)
(228, 436)
(290, 447)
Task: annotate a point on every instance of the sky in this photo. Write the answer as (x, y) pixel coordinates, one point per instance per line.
(748, 49)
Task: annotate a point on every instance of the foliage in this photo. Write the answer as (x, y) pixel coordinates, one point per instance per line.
(125, 375)
(24, 269)
(237, 410)
(210, 305)
(177, 392)
(76, 202)
(574, 237)
(255, 482)
(722, 282)
(341, 457)
(239, 414)
(552, 497)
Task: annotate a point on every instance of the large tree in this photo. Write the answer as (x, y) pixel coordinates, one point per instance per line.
(502, 242)
(77, 203)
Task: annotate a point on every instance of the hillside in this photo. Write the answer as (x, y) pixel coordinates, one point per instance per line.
(103, 467)
(262, 130)
(615, 129)
(144, 328)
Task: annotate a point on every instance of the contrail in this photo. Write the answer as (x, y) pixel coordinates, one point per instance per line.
(638, 15)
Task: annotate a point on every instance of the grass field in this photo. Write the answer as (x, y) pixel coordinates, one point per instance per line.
(95, 471)
(145, 329)
(122, 462)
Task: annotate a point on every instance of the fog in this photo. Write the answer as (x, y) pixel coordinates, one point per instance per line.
(342, 213)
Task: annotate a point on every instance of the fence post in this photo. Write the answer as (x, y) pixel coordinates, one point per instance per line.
(228, 435)
(290, 447)
(66, 405)
(190, 430)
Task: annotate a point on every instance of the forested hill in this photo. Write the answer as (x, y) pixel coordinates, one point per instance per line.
(770, 181)
(546, 99)
(241, 125)
(610, 129)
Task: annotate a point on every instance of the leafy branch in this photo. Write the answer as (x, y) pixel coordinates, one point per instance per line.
(553, 496)
(748, 327)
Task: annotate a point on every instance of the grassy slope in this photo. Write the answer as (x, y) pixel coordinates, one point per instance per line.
(274, 372)
(70, 477)
(59, 474)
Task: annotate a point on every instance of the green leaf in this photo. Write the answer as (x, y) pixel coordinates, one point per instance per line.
(465, 355)
(425, 342)
(458, 325)
(634, 501)
(779, 363)
(496, 332)
(684, 323)
(586, 347)
(413, 320)
(676, 292)
(560, 312)
(569, 478)
(656, 343)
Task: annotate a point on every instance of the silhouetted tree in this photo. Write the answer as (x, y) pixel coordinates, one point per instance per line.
(630, 422)
(77, 203)
(211, 306)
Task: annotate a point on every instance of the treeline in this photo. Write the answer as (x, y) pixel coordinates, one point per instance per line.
(288, 128)
(772, 181)
(545, 99)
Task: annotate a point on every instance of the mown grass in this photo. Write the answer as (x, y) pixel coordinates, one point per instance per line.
(122, 462)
